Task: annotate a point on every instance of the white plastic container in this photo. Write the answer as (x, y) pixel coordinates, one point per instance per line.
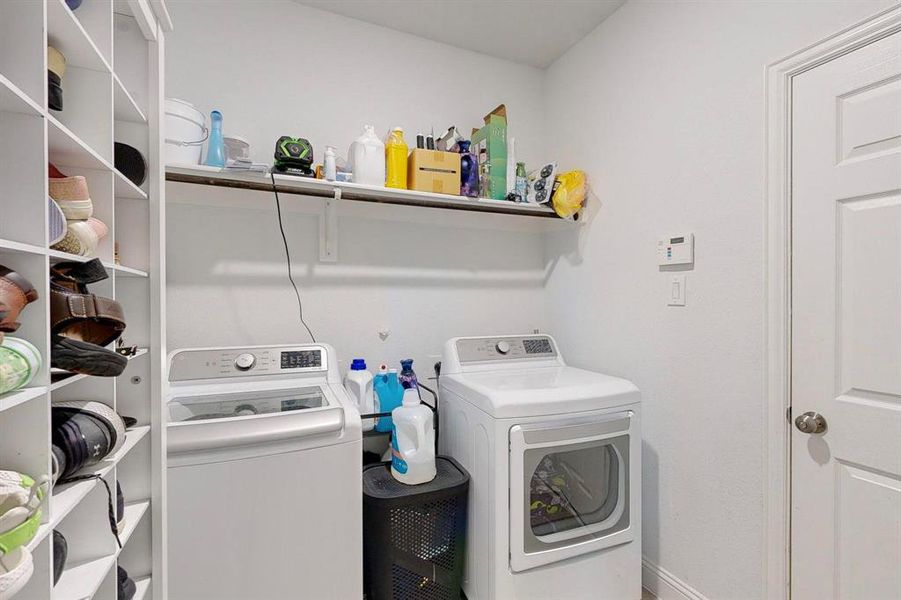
(329, 165)
(368, 156)
(236, 148)
(186, 133)
(413, 441)
(358, 383)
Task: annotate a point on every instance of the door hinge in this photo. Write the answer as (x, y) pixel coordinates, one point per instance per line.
(788, 414)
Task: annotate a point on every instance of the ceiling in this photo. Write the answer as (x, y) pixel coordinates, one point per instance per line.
(531, 32)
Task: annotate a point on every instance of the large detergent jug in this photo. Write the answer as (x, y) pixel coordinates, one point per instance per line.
(413, 441)
(396, 159)
(390, 395)
(368, 156)
(358, 383)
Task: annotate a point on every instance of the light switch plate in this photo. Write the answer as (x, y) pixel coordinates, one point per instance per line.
(676, 291)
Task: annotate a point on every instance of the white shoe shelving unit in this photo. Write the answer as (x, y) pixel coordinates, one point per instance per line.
(112, 92)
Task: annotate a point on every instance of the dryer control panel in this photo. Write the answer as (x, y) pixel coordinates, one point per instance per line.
(470, 350)
(215, 363)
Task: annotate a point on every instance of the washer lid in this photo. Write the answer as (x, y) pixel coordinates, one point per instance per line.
(541, 391)
(243, 404)
(221, 416)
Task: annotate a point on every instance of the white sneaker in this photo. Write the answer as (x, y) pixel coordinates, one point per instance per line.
(16, 568)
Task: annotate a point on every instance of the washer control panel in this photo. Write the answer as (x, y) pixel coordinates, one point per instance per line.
(216, 363)
(471, 350)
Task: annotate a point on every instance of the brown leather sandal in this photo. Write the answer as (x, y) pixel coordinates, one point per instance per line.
(82, 323)
(16, 293)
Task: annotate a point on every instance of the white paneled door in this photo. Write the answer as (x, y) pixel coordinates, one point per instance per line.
(846, 326)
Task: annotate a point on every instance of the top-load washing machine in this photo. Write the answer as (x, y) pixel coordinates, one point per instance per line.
(554, 456)
(264, 487)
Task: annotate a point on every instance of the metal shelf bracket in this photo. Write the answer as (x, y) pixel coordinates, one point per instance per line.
(328, 229)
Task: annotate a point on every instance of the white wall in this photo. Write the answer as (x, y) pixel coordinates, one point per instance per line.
(275, 67)
(426, 276)
(668, 120)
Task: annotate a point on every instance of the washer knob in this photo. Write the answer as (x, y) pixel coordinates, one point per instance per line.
(245, 362)
(503, 347)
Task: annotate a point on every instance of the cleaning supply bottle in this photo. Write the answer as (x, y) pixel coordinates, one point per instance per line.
(368, 156)
(469, 170)
(407, 377)
(390, 396)
(215, 152)
(329, 164)
(358, 383)
(396, 159)
(413, 441)
(521, 183)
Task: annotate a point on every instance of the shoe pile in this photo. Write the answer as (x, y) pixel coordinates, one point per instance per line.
(19, 359)
(20, 517)
(79, 232)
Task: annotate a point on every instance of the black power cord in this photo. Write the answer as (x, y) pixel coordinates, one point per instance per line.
(111, 506)
(281, 228)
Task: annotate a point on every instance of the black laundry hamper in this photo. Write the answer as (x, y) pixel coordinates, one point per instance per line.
(414, 535)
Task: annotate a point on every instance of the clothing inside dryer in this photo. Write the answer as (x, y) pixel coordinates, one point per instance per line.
(574, 488)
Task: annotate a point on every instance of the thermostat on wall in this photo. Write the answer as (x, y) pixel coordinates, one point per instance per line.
(676, 250)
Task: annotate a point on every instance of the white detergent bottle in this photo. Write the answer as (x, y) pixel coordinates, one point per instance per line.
(368, 157)
(358, 383)
(413, 441)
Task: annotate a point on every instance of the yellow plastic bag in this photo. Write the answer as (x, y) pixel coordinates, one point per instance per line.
(570, 191)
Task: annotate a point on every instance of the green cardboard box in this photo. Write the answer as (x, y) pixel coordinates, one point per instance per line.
(492, 138)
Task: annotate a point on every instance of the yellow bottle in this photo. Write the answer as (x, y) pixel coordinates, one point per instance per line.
(396, 160)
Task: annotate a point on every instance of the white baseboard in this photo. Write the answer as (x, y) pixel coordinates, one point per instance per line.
(665, 585)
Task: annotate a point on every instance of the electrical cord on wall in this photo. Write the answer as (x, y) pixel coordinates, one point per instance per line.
(281, 228)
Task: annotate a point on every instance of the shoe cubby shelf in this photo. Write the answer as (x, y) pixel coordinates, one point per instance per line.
(112, 93)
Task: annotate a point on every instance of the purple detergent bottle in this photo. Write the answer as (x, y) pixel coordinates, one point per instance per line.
(407, 377)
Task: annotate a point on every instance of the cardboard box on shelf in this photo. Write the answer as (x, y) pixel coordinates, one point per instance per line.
(434, 171)
(492, 138)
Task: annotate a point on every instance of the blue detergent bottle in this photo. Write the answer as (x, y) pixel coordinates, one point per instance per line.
(391, 395)
(215, 153)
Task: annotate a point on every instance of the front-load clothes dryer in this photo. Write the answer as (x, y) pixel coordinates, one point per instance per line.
(554, 456)
(264, 487)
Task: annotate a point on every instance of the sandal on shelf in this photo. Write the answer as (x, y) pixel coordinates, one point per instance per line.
(16, 293)
(82, 323)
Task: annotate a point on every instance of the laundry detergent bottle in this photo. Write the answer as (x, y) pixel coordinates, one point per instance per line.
(396, 159)
(368, 156)
(358, 383)
(390, 395)
(413, 441)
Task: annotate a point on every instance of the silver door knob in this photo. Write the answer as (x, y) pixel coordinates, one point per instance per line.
(811, 422)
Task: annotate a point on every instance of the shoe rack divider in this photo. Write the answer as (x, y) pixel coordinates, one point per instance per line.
(112, 92)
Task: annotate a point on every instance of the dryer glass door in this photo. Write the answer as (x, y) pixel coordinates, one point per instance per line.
(569, 488)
